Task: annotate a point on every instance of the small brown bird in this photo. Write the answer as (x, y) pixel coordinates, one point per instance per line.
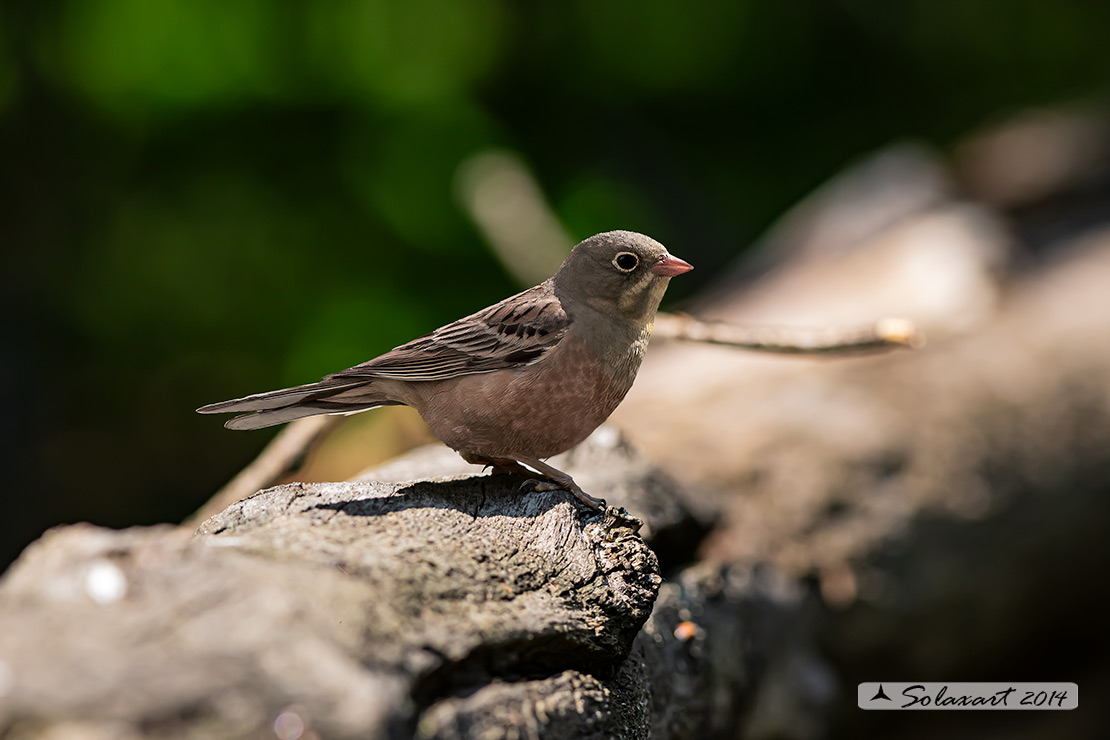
(515, 383)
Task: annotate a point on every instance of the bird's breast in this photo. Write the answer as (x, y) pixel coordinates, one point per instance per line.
(538, 410)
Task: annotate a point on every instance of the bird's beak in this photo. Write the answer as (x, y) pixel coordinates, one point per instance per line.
(669, 266)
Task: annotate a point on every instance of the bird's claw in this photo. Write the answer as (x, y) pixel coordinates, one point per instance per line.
(539, 485)
(542, 485)
(595, 503)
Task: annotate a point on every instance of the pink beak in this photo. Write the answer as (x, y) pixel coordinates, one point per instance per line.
(669, 266)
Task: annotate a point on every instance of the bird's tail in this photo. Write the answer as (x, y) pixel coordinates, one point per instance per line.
(329, 396)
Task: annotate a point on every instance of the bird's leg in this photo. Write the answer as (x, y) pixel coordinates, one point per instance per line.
(561, 481)
(500, 465)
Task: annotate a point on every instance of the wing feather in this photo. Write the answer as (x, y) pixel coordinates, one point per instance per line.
(517, 331)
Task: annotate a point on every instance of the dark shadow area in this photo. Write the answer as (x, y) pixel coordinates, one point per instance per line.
(478, 496)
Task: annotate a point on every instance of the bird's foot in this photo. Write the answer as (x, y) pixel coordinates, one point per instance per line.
(547, 479)
(567, 484)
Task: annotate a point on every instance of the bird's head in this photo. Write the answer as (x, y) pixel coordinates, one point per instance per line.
(620, 273)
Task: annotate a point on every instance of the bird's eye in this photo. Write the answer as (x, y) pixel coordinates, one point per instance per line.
(626, 261)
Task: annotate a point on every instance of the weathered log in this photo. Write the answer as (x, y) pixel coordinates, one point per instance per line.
(354, 606)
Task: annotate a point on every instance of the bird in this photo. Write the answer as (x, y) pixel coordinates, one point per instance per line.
(517, 382)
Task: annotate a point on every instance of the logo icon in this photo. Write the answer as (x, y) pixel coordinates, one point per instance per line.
(880, 694)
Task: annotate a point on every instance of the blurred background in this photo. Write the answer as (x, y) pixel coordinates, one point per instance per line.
(200, 199)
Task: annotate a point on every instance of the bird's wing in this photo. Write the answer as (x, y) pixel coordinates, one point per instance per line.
(515, 332)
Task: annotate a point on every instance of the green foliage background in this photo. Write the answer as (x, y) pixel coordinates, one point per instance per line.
(200, 199)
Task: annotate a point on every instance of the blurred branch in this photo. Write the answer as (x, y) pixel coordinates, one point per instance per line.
(283, 455)
(506, 203)
(882, 335)
(1037, 156)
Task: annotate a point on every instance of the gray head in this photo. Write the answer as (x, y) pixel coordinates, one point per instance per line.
(620, 273)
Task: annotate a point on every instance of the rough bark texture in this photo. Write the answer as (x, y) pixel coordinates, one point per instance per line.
(675, 519)
(934, 515)
(361, 604)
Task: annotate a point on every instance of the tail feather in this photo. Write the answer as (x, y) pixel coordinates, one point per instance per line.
(277, 407)
(260, 419)
(279, 398)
